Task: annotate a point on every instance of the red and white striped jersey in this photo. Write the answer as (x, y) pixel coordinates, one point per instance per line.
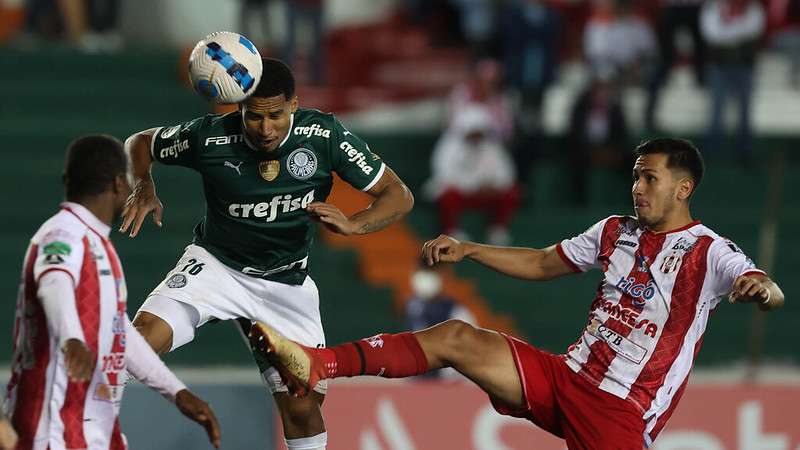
(49, 411)
(648, 317)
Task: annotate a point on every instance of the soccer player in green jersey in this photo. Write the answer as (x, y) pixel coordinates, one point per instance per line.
(267, 171)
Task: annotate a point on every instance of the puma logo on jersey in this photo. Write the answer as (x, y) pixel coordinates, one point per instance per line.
(234, 167)
(279, 204)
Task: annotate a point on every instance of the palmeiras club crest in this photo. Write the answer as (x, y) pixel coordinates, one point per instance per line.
(301, 163)
(176, 281)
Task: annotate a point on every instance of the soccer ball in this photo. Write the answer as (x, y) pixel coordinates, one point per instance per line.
(225, 67)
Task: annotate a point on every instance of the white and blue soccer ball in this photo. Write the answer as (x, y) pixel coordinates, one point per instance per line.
(225, 67)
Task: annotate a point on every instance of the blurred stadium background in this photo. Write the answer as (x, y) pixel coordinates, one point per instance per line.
(388, 69)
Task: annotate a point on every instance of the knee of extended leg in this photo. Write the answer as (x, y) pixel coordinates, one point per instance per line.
(459, 337)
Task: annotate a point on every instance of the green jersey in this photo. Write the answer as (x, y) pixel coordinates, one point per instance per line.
(255, 218)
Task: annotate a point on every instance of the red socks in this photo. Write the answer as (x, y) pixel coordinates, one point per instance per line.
(385, 355)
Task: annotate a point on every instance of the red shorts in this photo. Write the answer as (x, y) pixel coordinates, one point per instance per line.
(561, 402)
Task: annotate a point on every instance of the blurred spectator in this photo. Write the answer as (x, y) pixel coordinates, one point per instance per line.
(255, 9)
(784, 21)
(428, 306)
(598, 134)
(484, 89)
(529, 37)
(456, 22)
(103, 34)
(477, 23)
(310, 12)
(472, 170)
(439, 18)
(617, 39)
(673, 17)
(732, 29)
(419, 11)
(51, 17)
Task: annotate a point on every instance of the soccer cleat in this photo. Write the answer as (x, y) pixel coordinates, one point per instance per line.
(297, 365)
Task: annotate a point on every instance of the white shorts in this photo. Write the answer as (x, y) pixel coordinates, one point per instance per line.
(200, 288)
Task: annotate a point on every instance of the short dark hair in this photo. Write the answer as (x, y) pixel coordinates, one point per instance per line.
(681, 154)
(276, 79)
(92, 163)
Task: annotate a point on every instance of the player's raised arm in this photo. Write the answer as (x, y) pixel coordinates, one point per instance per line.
(143, 199)
(525, 263)
(393, 200)
(361, 168)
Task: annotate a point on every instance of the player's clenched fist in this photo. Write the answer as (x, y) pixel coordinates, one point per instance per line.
(748, 289)
(442, 249)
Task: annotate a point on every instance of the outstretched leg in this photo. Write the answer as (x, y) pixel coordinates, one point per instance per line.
(483, 356)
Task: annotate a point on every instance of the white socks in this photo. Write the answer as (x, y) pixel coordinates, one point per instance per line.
(317, 442)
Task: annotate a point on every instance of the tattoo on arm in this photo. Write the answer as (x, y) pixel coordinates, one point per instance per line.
(379, 224)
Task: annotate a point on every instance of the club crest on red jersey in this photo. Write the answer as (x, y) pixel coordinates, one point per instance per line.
(671, 263)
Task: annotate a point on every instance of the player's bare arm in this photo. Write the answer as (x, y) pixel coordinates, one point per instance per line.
(143, 199)
(393, 200)
(758, 289)
(526, 263)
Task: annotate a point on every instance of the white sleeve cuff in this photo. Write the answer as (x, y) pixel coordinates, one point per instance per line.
(153, 142)
(376, 179)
